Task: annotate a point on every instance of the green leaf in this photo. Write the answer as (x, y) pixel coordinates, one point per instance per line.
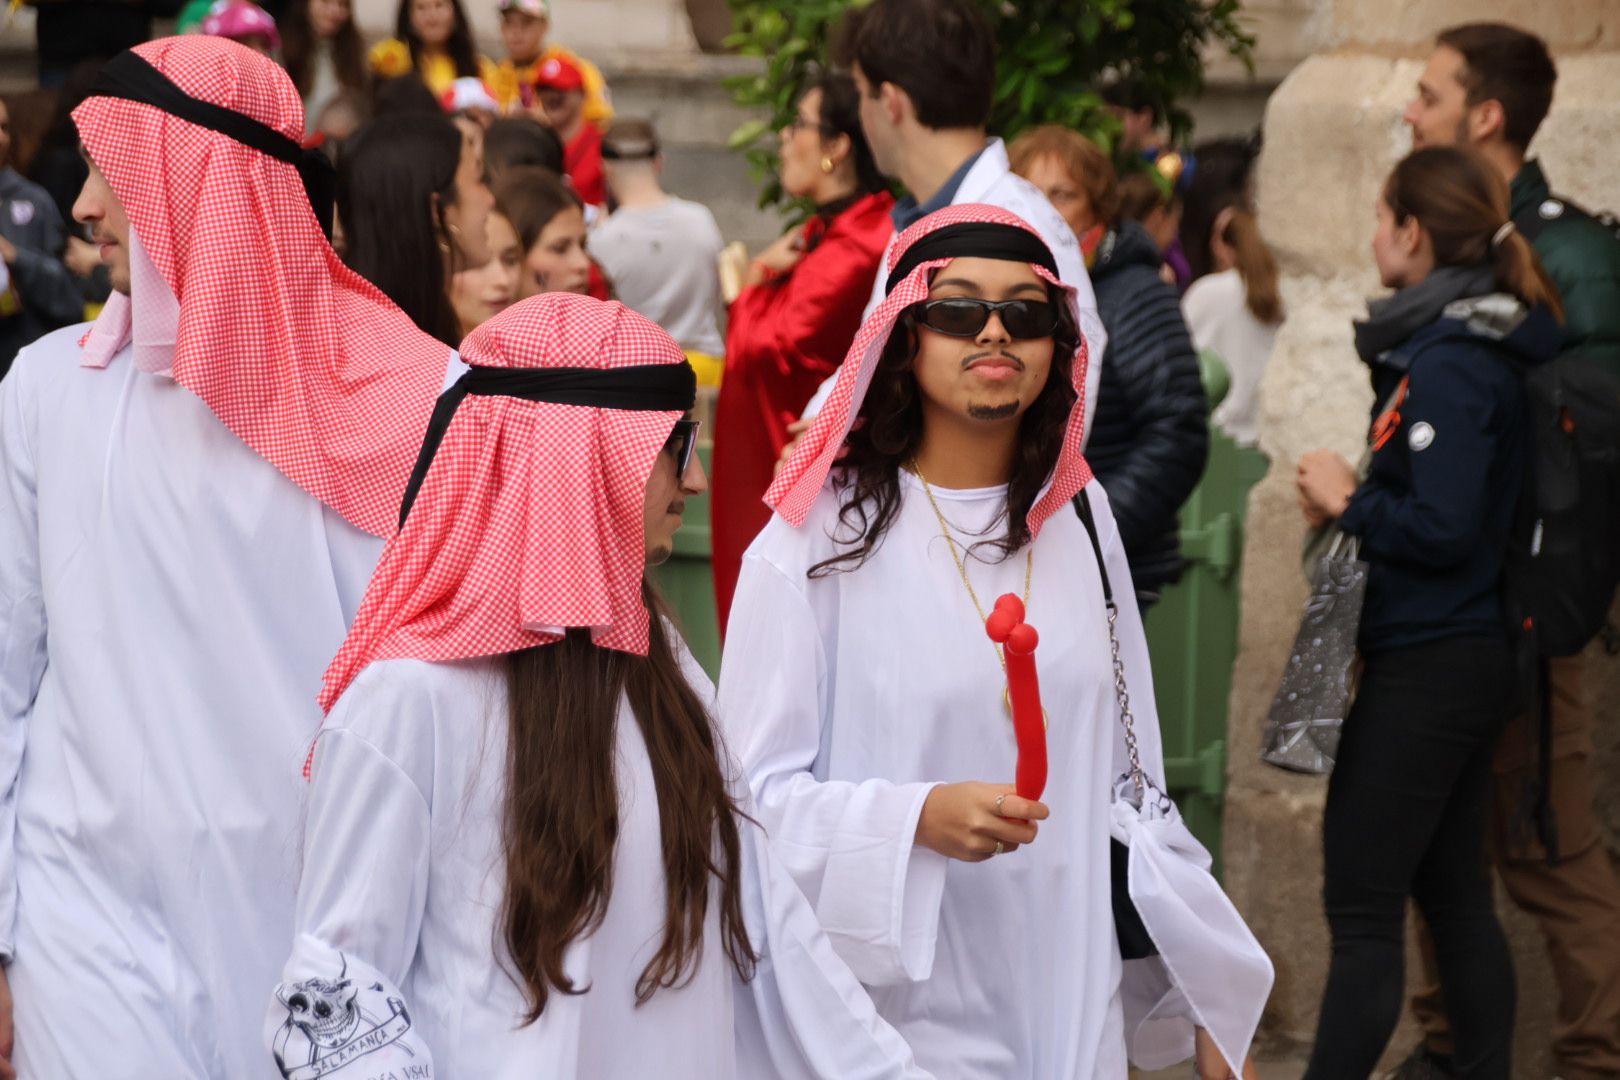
(746, 133)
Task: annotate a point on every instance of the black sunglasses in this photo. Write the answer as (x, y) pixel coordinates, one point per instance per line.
(965, 316)
(682, 444)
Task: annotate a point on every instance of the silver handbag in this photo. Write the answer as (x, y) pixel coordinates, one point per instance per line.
(1302, 728)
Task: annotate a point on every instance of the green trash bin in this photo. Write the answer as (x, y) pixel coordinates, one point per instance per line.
(1192, 630)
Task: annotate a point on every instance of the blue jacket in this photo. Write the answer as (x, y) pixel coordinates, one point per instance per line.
(1434, 512)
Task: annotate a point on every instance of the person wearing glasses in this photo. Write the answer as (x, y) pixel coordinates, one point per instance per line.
(865, 700)
(524, 853)
(798, 310)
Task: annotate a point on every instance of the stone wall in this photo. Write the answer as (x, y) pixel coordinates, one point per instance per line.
(1332, 132)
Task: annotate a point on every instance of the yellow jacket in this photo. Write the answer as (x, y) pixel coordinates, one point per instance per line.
(507, 80)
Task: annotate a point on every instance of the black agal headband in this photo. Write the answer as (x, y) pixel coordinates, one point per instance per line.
(130, 77)
(974, 240)
(637, 388)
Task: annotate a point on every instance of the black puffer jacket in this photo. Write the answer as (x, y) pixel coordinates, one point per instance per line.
(1150, 438)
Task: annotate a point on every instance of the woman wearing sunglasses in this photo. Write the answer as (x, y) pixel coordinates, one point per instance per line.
(526, 854)
(865, 700)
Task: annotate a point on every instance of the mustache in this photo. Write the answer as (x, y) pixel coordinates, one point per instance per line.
(999, 354)
(99, 237)
(678, 507)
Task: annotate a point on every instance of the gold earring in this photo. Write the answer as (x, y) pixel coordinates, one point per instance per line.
(826, 164)
(444, 246)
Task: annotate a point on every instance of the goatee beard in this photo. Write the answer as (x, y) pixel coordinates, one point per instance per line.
(993, 412)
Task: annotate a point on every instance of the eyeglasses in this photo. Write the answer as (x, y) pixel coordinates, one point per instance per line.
(800, 122)
(682, 444)
(965, 316)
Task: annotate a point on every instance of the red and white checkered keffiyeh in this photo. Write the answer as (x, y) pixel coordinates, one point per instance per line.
(530, 518)
(805, 472)
(308, 363)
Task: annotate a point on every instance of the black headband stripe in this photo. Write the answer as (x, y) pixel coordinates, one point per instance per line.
(974, 240)
(636, 388)
(130, 77)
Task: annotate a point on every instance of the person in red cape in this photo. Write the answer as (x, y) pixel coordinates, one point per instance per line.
(867, 702)
(524, 854)
(192, 495)
(798, 311)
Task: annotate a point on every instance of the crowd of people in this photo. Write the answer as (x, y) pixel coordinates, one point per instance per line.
(396, 374)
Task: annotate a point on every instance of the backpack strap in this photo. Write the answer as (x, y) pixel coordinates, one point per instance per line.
(1082, 507)
(1531, 222)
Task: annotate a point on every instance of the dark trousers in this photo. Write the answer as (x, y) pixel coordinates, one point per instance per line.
(1405, 817)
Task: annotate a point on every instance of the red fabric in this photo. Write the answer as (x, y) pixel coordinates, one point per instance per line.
(530, 518)
(796, 487)
(303, 359)
(785, 337)
(582, 161)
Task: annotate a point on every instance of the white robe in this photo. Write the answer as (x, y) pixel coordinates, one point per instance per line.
(398, 921)
(848, 697)
(168, 602)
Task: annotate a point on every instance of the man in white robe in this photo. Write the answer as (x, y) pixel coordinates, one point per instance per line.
(191, 496)
(864, 697)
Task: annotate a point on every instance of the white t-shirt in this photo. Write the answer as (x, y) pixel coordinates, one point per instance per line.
(1219, 319)
(663, 262)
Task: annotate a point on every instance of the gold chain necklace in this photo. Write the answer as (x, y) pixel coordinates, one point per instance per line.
(961, 568)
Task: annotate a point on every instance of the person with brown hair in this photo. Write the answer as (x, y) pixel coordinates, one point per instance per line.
(1235, 312)
(526, 852)
(1488, 86)
(1151, 436)
(550, 222)
(322, 51)
(866, 702)
(1406, 805)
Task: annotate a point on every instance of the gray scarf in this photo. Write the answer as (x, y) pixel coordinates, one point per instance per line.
(1393, 319)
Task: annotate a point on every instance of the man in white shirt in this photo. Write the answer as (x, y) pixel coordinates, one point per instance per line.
(192, 496)
(661, 252)
(926, 73)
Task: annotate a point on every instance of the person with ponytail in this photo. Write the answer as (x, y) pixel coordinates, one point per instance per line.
(526, 853)
(1406, 806)
(1235, 312)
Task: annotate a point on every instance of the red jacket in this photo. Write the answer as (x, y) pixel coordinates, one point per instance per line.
(785, 337)
(582, 161)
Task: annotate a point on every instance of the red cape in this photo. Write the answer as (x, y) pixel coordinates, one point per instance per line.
(785, 337)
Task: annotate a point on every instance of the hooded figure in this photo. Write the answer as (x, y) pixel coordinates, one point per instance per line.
(865, 700)
(191, 496)
(525, 854)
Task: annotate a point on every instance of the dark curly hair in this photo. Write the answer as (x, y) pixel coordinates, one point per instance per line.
(889, 428)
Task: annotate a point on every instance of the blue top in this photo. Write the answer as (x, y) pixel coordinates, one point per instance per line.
(907, 212)
(1434, 513)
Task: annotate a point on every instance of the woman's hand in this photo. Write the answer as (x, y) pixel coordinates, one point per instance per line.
(795, 431)
(1325, 481)
(1209, 1065)
(964, 821)
(783, 255)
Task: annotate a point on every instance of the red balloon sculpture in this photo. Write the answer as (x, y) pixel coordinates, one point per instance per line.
(1007, 628)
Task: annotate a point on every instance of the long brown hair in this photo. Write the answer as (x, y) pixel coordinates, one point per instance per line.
(561, 818)
(298, 51)
(892, 429)
(1462, 203)
(1255, 265)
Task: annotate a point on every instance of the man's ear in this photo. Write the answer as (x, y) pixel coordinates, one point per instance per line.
(1486, 121)
(896, 103)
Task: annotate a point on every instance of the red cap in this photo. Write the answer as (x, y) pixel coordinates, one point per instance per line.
(556, 73)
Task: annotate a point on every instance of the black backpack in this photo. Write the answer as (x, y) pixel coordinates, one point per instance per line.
(1563, 562)
(1564, 556)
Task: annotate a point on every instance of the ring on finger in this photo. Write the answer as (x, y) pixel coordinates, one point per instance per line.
(1000, 848)
(999, 800)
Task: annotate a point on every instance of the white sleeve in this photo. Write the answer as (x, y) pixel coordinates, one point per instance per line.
(22, 620)
(849, 845)
(804, 1014)
(339, 1011)
(1210, 971)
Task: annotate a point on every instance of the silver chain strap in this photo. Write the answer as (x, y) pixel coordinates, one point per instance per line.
(1123, 695)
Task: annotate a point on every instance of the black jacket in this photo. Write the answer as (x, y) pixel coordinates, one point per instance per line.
(1434, 513)
(1150, 438)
